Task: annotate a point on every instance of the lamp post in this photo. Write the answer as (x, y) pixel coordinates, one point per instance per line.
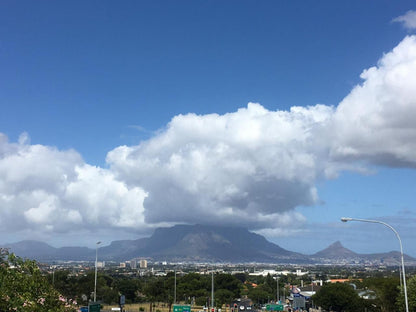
(212, 291)
(95, 279)
(345, 219)
(277, 290)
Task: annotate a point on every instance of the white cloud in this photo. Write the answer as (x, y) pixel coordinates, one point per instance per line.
(408, 20)
(251, 167)
(239, 168)
(376, 122)
(47, 190)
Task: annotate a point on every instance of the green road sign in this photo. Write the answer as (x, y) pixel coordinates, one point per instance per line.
(274, 307)
(181, 308)
(94, 307)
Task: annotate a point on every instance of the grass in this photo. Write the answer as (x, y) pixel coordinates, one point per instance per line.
(158, 307)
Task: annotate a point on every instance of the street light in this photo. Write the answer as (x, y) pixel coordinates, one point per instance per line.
(277, 290)
(345, 219)
(95, 280)
(212, 291)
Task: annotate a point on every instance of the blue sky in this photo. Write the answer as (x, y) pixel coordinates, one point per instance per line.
(117, 118)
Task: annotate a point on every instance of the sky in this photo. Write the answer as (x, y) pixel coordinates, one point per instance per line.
(279, 116)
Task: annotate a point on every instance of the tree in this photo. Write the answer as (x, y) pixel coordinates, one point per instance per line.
(64, 283)
(155, 291)
(259, 295)
(337, 297)
(242, 277)
(23, 288)
(128, 287)
(411, 296)
(223, 296)
(387, 291)
(228, 282)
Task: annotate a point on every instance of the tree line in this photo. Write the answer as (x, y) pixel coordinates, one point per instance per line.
(24, 287)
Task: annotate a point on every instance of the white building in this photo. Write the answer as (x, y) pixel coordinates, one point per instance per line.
(143, 264)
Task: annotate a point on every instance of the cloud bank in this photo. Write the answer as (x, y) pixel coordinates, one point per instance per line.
(251, 167)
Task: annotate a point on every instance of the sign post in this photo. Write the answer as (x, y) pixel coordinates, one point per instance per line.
(122, 302)
(274, 307)
(94, 307)
(181, 308)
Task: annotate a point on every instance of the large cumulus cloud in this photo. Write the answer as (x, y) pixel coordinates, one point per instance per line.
(44, 189)
(250, 167)
(247, 167)
(376, 122)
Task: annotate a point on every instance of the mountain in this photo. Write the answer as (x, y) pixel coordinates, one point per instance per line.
(44, 252)
(31, 249)
(192, 243)
(201, 243)
(338, 254)
(335, 251)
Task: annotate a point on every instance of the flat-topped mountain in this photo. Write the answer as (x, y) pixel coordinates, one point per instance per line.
(201, 243)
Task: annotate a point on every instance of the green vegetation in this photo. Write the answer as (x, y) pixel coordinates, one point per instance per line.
(23, 287)
(338, 297)
(411, 296)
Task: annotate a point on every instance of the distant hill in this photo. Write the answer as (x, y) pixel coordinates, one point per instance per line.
(201, 243)
(43, 252)
(335, 251)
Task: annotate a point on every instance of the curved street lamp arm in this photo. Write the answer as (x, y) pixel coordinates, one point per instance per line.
(346, 219)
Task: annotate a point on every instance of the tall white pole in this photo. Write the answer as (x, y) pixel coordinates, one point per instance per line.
(345, 219)
(212, 290)
(277, 289)
(95, 278)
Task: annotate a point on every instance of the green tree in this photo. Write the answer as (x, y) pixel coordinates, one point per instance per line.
(228, 282)
(64, 283)
(337, 297)
(411, 296)
(259, 295)
(242, 277)
(24, 289)
(387, 291)
(223, 296)
(155, 291)
(128, 287)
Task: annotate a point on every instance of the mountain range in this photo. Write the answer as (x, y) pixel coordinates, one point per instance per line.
(200, 243)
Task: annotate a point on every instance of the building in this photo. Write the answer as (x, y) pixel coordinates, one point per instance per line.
(143, 264)
(133, 264)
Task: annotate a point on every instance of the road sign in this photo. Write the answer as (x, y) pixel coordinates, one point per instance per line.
(122, 300)
(274, 307)
(181, 308)
(94, 307)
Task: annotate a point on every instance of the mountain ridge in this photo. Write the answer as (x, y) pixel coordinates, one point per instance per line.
(199, 243)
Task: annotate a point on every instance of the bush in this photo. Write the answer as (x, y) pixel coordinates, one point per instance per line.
(23, 288)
